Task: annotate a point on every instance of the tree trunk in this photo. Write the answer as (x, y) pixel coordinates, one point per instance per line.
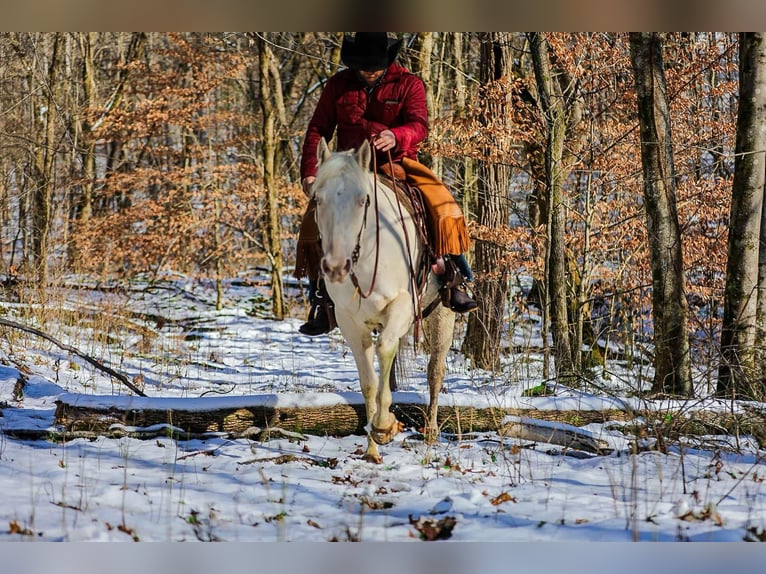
(46, 151)
(87, 42)
(467, 165)
(425, 70)
(672, 368)
(273, 238)
(738, 374)
(551, 100)
(485, 325)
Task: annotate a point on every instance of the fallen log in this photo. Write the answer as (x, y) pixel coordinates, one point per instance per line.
(548, 420)
(562, 434)
(335, 414)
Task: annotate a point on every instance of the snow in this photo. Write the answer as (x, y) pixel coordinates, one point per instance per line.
(317, 488)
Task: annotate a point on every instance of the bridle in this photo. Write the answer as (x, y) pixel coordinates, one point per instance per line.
(358, 247)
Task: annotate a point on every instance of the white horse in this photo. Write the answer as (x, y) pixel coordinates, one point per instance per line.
(367, 264)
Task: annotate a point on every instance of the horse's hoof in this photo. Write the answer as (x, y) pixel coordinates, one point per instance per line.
(385, 436)
(373, 458)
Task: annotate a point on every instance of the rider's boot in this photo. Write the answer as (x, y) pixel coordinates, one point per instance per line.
(321, 317)
(450, 271)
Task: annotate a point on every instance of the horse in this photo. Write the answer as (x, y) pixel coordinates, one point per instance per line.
(370, 245)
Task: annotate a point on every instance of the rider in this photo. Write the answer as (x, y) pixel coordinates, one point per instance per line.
(377, 99)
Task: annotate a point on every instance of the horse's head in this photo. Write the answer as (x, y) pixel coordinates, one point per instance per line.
(342, 193)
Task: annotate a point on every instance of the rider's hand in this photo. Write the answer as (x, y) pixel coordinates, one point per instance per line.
(384, 141)
(307, 183)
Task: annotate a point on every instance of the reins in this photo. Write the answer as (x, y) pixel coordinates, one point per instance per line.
(416, 300)
(357, 247)
(416, 303)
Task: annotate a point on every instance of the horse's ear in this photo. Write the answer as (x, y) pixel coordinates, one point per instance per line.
(323, 152)
(364, 155)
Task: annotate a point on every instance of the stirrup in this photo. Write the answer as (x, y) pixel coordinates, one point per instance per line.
(457, 300)
(452, 292)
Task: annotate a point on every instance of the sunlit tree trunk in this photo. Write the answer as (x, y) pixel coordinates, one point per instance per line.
(44, 161)
(273, 234)
(87, 42)
(742, 334)
(485, 325)
(458, 48)
(424, 68)
(552, 104)
(672, 367)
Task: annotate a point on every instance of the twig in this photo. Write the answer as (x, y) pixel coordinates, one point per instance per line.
(287, 458)
(119, 376)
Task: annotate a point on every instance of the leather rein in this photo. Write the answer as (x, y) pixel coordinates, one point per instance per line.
(358, 247)
(416, 299)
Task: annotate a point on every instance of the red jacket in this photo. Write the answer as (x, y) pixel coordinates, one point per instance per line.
(397, 103)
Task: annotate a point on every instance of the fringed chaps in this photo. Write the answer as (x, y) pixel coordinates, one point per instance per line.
(309, 249)
(448, 227)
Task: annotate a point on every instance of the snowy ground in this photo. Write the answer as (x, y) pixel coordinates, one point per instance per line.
(478, 489)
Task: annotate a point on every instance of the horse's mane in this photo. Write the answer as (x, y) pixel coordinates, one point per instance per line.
(339, 165)
(344, 165)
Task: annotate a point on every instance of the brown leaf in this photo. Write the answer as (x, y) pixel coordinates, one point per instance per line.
(14, 528)
(502, 497)
(434, 529)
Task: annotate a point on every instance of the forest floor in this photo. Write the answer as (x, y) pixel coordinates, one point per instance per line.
(152, 483)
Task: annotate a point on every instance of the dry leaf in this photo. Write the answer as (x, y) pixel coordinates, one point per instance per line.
(434, 529)
(14, 528)
(503, 497)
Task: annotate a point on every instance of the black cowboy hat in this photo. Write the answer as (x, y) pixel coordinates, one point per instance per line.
(369, 51)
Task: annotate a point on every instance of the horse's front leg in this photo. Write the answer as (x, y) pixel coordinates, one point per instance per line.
(384, 424)
(360, 342)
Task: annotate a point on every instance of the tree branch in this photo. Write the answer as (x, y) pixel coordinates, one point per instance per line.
(119, 376)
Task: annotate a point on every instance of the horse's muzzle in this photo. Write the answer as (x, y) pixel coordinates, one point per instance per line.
(335, 271)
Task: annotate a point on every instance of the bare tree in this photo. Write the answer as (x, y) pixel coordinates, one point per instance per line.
(672, 367)
(552, 103)
(270, 100)
(738, 374)
(44, 163)
(492, 210)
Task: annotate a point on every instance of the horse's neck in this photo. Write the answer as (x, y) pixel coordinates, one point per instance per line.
(400, 188)
(394, 210)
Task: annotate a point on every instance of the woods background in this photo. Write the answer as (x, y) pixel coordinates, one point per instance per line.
(135, 155)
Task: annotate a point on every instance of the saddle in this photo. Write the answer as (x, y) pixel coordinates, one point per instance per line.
(410, 196)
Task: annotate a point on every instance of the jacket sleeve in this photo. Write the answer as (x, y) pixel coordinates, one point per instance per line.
(322, 125)
(414, 127)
